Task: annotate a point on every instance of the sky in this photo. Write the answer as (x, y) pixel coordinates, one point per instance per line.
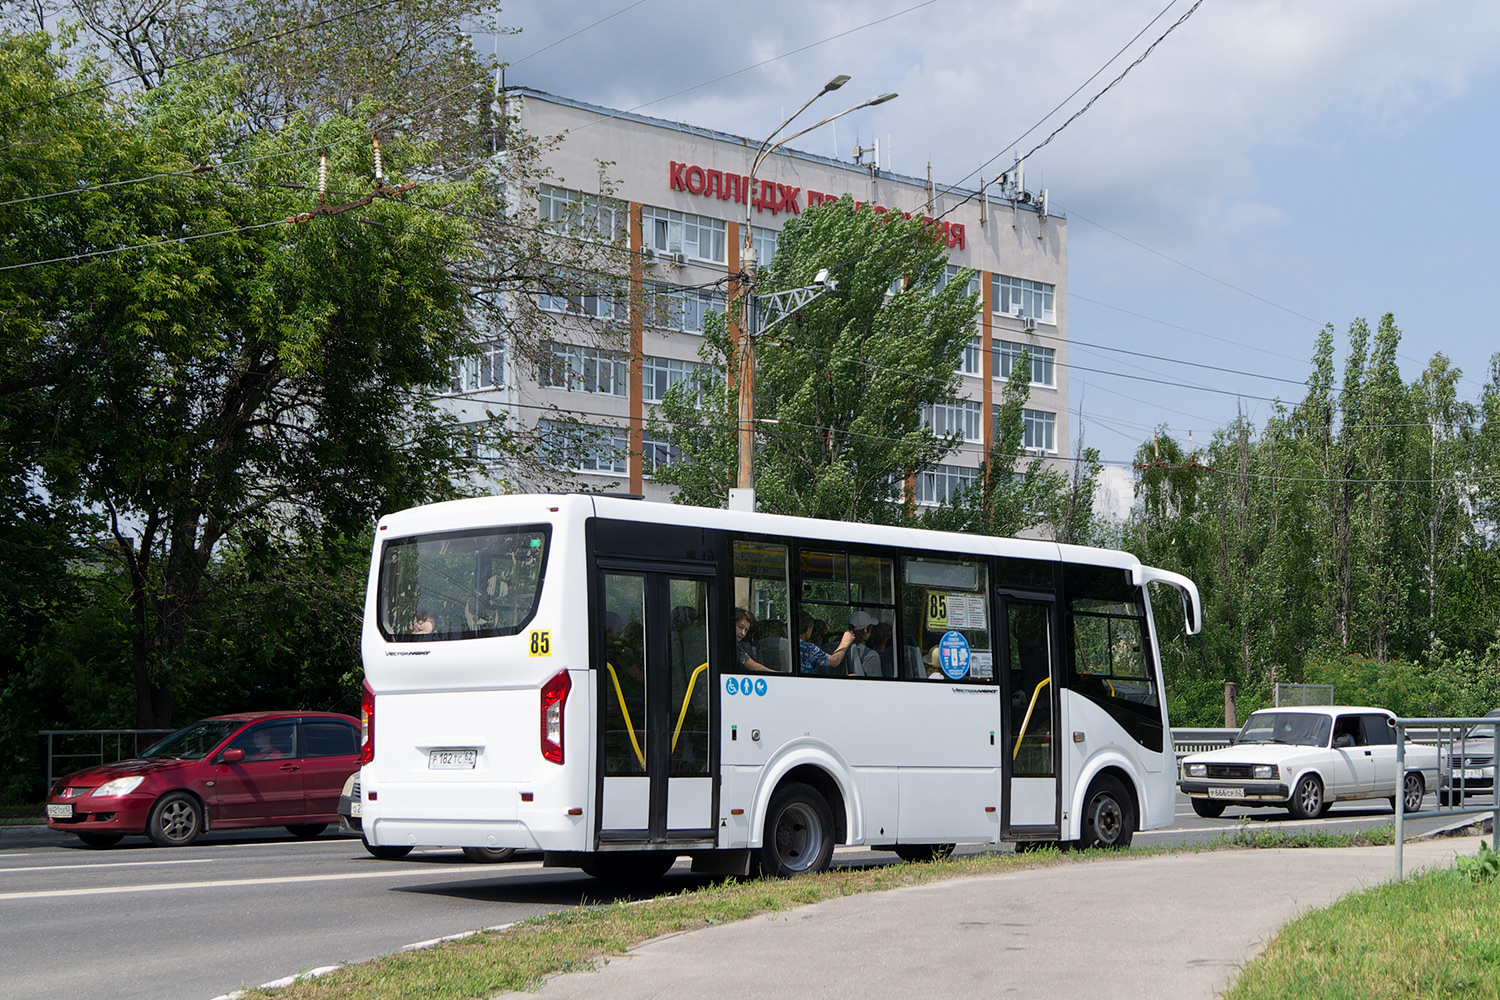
(1270, 167)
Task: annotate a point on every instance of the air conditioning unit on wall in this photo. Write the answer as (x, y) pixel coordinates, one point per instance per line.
(1029, 323)
(679, 258)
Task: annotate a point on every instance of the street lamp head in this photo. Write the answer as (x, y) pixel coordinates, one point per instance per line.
(835, 83)
(880, 100)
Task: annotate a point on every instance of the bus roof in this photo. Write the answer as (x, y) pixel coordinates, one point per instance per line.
(553, 507)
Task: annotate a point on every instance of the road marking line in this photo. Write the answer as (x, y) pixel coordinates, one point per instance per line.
(109, 864)
(279, 880)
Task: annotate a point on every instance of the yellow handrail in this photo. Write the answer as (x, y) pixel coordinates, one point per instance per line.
(682, 715)
(1027, 721)
(629, 726)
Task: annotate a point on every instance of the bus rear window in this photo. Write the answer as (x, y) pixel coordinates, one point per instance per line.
(461, 585)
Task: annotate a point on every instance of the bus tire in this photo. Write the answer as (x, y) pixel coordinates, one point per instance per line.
(799, 832)
(923, 852)
(1108, 815)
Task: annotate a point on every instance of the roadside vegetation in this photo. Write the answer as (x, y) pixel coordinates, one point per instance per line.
(521, 956)
(1432, 935)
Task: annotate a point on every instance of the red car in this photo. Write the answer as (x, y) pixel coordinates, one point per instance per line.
(225, 773)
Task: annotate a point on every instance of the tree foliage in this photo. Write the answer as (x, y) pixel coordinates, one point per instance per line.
(1350, 529)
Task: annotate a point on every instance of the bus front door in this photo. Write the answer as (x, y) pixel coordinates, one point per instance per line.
(656, 695)
(1030, 767)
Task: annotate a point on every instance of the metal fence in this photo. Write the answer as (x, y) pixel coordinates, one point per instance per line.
(1466, 767)
(1302, 694)
(79, 748)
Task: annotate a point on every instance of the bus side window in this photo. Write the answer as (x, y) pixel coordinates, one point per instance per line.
(760, 621)
(940, 597)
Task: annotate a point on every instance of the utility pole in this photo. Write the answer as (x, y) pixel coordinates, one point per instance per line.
(742, 496)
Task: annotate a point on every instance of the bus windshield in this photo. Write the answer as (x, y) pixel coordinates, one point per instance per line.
(461, 585)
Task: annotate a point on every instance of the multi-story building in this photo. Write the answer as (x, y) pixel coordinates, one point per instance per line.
(678, 194)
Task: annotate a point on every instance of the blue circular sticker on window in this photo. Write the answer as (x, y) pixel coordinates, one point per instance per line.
(953, 655)
(732, 686)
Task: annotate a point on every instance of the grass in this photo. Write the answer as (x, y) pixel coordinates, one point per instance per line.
(1435, 935)
(22, 815)
(580, 938)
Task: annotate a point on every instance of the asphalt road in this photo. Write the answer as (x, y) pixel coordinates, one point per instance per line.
(239, 910)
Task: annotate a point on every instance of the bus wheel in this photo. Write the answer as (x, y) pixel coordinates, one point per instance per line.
(628, 869)
(923, 852)
(1108, 815)
(799, 832)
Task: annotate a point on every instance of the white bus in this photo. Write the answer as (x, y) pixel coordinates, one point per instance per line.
(619, 683)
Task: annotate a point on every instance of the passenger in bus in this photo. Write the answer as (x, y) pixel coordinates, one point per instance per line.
(882, 641)
(862, 661)
(814, 659)
(935, 665)
(744, 652)
(423, 623)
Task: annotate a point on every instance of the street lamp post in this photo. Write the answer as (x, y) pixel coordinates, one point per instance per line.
(742, 497)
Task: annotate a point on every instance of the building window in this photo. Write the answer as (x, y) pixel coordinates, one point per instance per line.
(484, 370)
(584, 449)
(1008, 355)
(660, 374)
(939, 484)
(1020, 297)
(697, 237)
(656, 453)
(584, 369)
(684, 309)
(1038, 430)
(483, 448)
(970, 363)
(764, 243)
(574, 213)
(960, 416)
(573, 293)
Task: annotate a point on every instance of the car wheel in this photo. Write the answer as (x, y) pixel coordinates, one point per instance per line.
(1412, 790)
(923, 852)
(1208, 808)
(1108, 815)
(306, 831)
(101, 839)
(175, 820)
(387, 852)
(799, 832)
(488, 855)
(1307, 798)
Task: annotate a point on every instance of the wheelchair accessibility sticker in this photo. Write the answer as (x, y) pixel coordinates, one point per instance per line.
(745, 686)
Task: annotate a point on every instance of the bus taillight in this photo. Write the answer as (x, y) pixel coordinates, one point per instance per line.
(366, 725)
(554, 700)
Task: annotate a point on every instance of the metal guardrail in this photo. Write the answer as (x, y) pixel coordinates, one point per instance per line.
(133, 738)
(1451, 737)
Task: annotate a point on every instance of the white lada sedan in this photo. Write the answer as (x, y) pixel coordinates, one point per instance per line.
(1303, 759)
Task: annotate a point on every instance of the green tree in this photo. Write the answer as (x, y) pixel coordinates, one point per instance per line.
(839, 385)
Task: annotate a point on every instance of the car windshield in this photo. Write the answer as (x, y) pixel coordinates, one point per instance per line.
(1484, 731)
(1295, 728)
(193, 742)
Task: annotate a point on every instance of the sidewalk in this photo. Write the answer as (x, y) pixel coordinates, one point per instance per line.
(1175, 926)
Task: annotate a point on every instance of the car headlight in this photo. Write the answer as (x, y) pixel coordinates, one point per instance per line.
(119, 786)
(1265, 770)
(1197, 770)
